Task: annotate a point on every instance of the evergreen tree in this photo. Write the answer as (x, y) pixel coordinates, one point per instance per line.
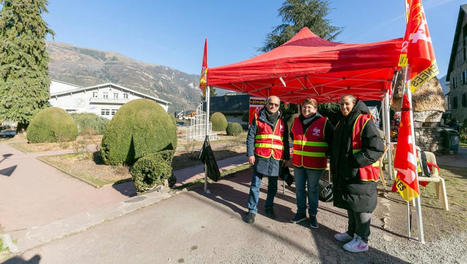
(297, 14)
(24, 79)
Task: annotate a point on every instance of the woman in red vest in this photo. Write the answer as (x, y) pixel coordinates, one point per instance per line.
(311, 134)
(355, 151)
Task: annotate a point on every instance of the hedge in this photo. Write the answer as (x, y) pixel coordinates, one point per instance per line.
(140, 127)
(219, 122)
(52, 124)
(150, 171)
(234, 129)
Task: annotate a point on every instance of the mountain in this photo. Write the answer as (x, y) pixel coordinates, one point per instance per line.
(88, 67)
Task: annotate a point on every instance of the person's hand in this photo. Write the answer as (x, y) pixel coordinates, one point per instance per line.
(251, 160)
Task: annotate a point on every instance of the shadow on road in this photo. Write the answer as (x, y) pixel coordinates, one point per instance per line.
(8, 171)
(19, 260)
(229, 200)
(125, 187)
(236, 200)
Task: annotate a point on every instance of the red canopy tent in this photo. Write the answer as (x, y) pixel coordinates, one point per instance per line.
(307, 65)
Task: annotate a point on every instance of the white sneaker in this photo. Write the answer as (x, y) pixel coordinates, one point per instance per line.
(343, 237)
(356, 245)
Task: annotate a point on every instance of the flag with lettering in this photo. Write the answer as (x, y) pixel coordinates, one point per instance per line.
(417, 50)
(405, 160)
(204, 69)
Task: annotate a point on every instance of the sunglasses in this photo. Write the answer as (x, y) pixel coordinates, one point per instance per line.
(273, 104)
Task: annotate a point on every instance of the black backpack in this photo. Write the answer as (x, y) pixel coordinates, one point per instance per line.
(325, 191)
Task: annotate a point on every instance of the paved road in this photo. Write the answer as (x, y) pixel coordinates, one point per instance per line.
(33, 193)
(193, 227)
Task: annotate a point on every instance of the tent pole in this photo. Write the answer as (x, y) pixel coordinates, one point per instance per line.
(421, 236)
(208, 95)
(387, 133)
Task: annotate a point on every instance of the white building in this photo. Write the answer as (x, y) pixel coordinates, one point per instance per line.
(103, 99)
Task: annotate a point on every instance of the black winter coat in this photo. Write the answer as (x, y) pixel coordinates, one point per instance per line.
(349, 191)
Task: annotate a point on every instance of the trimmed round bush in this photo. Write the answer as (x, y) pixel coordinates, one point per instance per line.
(234, 129)
(140, 127)
(150, 171)
(52, 124)
(172, 117)
(90, 123)
(219, 122)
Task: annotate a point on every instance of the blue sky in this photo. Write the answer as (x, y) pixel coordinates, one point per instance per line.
(172, 32)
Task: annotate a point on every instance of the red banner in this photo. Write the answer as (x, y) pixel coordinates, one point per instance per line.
(417, 50)
(405, 161)
(204, 69)
(256, 103)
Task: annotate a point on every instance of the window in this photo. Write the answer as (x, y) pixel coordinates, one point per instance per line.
(115, 95)
(464, 42)
(105, 112)
(102, 111)
(106, 95)
(114, 111)
(125, 95)
(454, 102)
(94, 94)
(464, 100)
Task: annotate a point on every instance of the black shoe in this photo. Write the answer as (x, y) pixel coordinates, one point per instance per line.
(298, 218)
(289, 180)
(313, 222)
(249, 218)
(269, 212)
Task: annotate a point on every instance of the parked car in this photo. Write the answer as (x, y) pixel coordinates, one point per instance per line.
(7, 133)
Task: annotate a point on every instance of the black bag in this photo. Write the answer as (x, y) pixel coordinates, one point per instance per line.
(285, 175)
(207, 157)
(426, 170)
(325, 191)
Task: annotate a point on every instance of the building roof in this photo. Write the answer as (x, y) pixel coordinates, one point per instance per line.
(80, 89)
(460, 18)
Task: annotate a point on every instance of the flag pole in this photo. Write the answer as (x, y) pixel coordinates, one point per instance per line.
(387, 133)
(421, 236)
(409, 220)
(208, 91)
(404, 87)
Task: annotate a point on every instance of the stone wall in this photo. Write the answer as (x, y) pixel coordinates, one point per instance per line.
(427, 136)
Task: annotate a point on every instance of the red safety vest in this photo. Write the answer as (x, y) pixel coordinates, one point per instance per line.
(267, 142)
(370, 172)
(309, 149)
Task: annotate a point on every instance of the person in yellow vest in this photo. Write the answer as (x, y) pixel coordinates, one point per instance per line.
(355, 151)
(311, 134)
(267, 144)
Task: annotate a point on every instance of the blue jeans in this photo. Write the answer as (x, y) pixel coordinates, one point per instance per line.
(253, 197)
(311, 177)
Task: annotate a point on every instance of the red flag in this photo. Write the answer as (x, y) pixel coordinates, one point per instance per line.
(405, 161)
(417, 49)
(204, 69)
